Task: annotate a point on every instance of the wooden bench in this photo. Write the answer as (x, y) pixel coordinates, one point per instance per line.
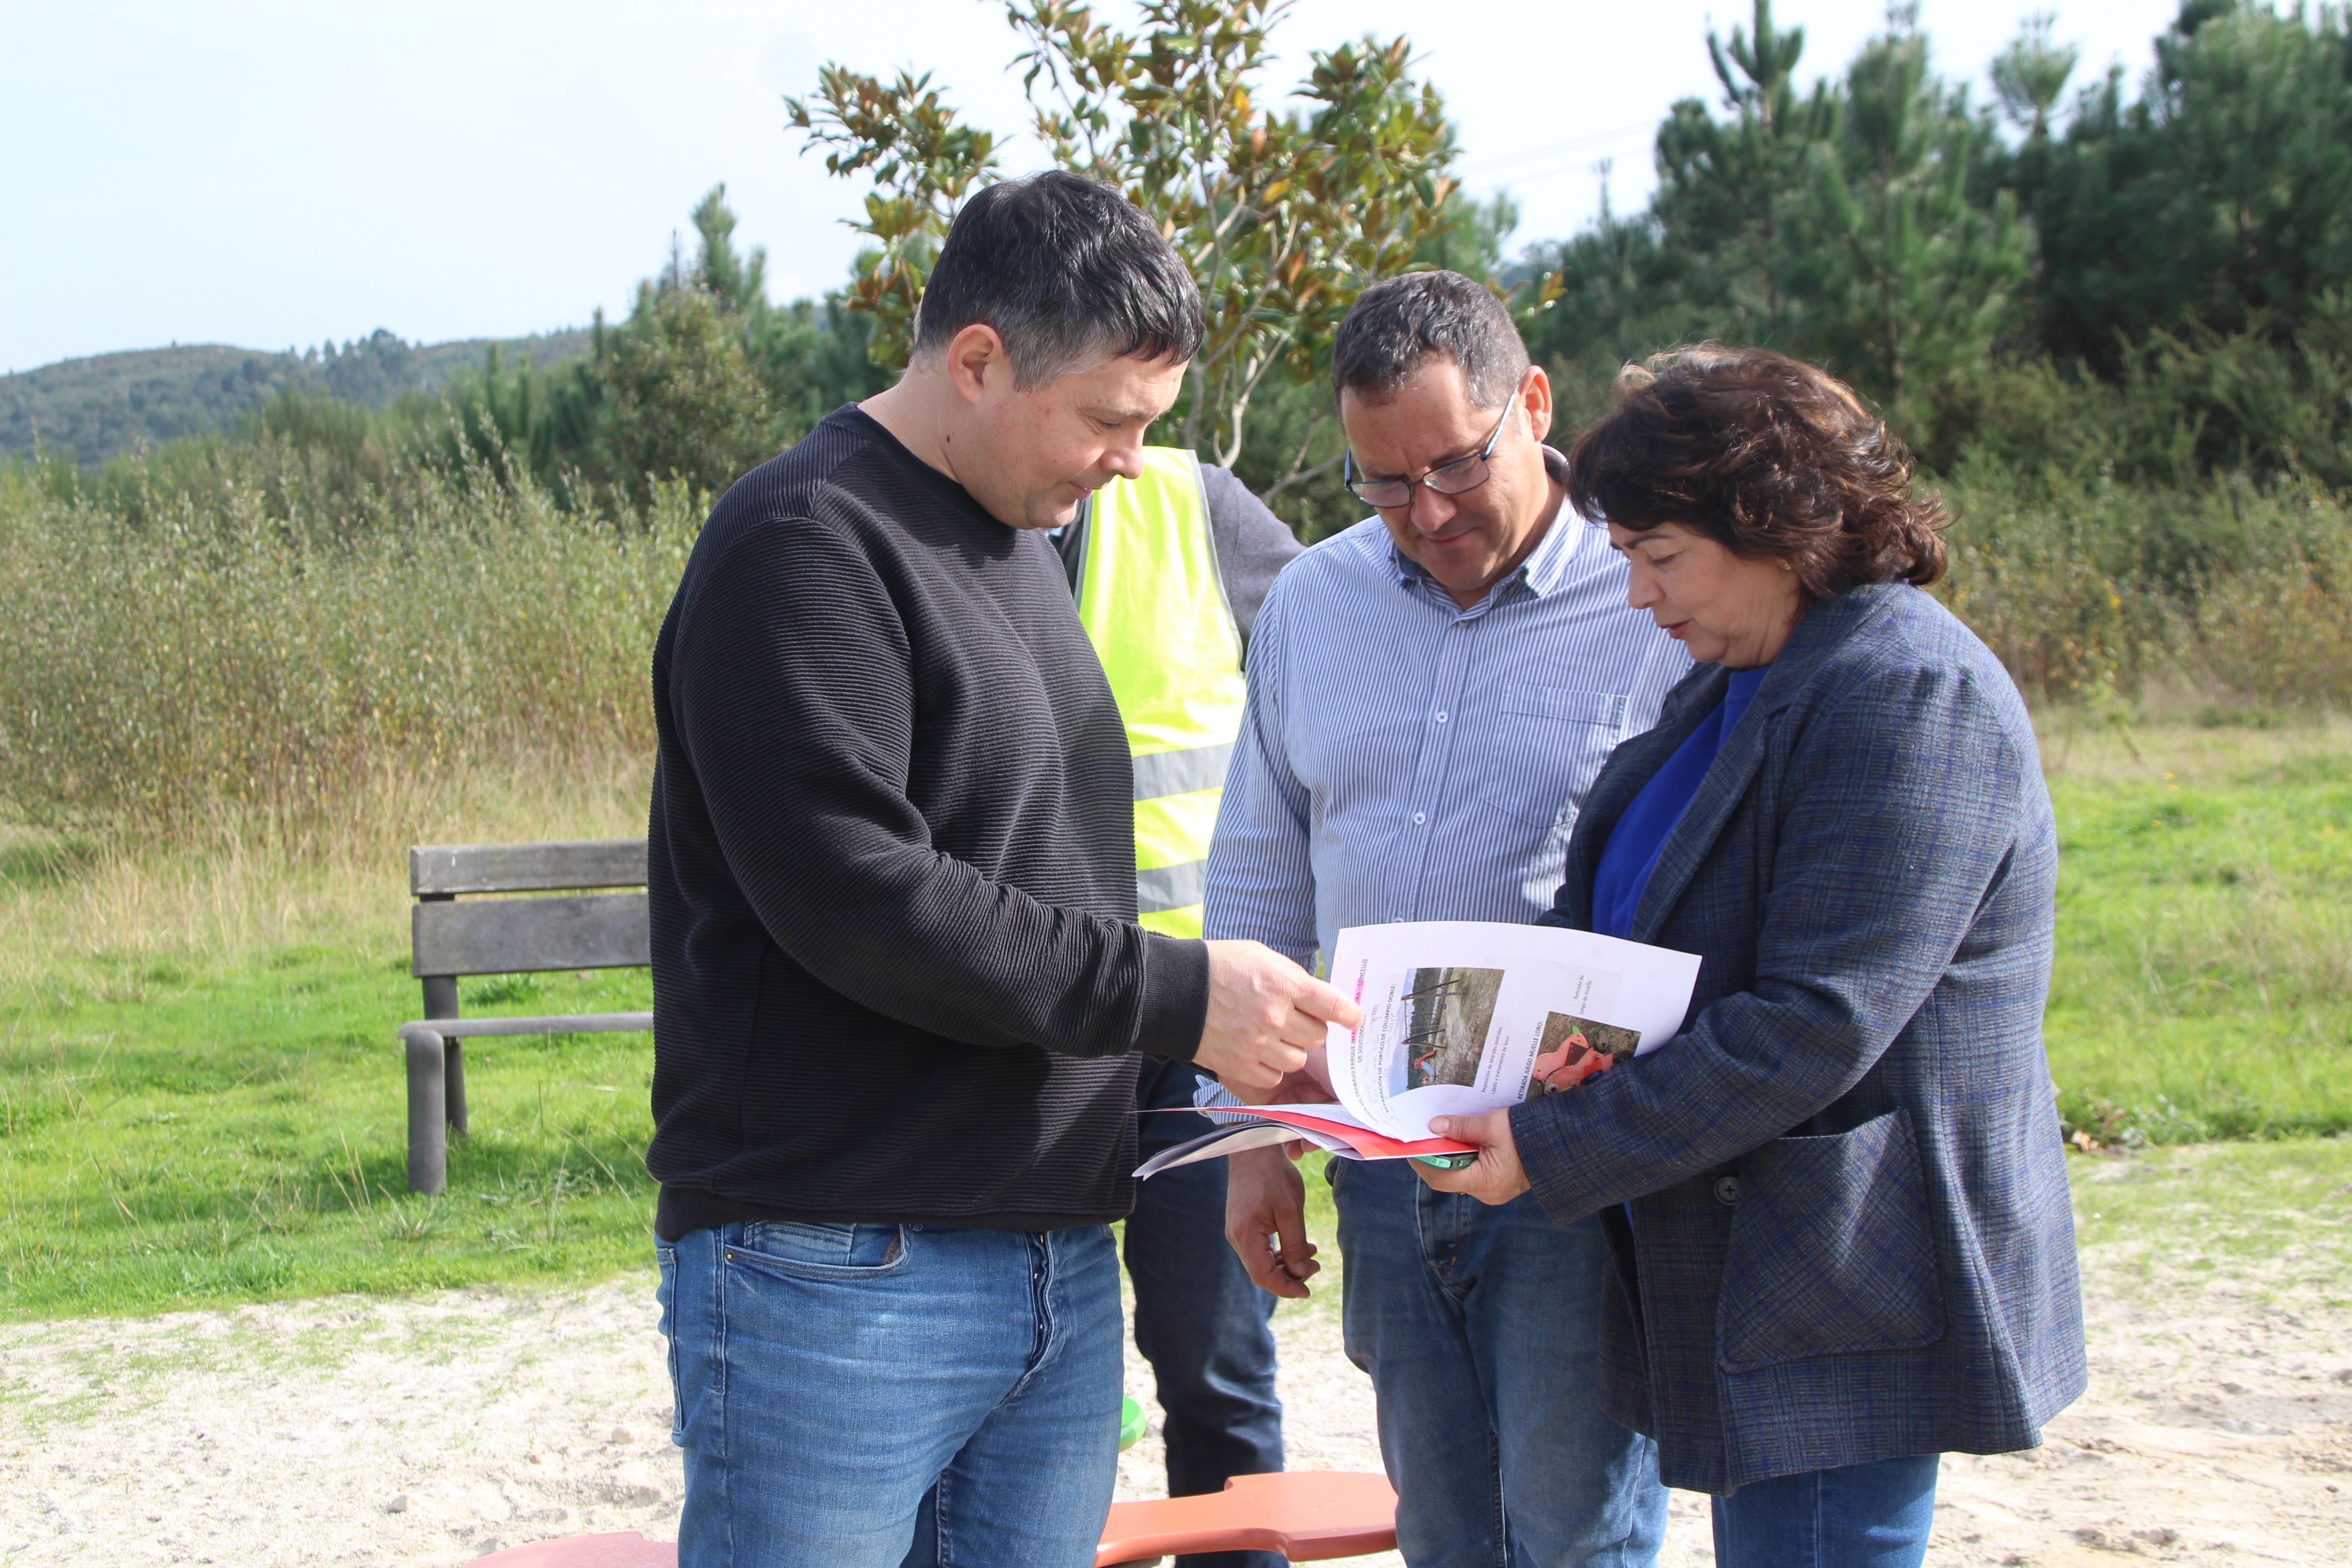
(1309, 1516)
(455, 932)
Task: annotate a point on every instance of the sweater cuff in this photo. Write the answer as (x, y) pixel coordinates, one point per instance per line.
(1174, 1004)
(1543, 1130)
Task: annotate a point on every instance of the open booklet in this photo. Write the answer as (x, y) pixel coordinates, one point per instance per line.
(1460, 1016)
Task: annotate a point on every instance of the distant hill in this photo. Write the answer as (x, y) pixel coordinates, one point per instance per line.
(107, 404)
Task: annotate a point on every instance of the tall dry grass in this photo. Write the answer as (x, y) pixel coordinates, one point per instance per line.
(230, 699)
(266, 658)
(237, 682)
(67, 896)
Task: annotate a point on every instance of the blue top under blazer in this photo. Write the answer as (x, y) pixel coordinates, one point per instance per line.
(1850, 1235)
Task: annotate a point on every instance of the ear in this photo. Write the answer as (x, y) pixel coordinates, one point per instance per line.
(969, 358)
(1536, 396)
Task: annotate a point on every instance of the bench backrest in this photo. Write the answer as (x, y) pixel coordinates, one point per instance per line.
(512, 936)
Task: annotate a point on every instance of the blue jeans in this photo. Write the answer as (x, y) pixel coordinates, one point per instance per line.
(1477, 1325)
(832, 1379)
(1860, 1516)
(1200, 1321)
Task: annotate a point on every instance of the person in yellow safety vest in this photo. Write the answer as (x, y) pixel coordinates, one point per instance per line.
(1169, 569)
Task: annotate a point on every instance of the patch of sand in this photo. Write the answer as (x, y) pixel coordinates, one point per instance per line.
(434, 1430)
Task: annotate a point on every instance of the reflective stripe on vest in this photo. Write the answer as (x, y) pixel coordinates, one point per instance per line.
(1150, 600)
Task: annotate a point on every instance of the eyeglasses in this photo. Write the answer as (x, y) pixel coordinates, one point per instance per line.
(1454, 478)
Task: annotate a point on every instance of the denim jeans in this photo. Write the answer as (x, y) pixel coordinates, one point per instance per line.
(1477, 1325)
(1860, 1516)
(1200, 1321)
(831, 1380)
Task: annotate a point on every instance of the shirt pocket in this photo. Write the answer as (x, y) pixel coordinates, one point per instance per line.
(1607, 709)
(1544, 749)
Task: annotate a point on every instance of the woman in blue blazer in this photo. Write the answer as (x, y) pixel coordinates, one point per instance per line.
(1837, 1198)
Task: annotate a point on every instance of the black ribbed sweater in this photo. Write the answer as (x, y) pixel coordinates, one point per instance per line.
(892, 867)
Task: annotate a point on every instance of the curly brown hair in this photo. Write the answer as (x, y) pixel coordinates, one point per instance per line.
(1768, 456)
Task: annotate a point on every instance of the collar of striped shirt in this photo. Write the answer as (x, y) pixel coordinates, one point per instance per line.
(1545, 569)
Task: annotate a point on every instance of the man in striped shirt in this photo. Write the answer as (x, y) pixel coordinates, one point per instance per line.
(1431, 693)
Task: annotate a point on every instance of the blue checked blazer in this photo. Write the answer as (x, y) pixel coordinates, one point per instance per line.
(1849, 1236)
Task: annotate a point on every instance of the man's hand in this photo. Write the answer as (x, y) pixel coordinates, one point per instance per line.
(1266, 1220)
(1497, 1178)
(1310, 1085)
(1265, 1014)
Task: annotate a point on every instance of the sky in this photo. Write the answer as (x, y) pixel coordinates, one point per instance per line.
(282, 173)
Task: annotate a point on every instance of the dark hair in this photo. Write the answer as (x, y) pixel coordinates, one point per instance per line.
(1068, 272)
(1767, 456)
(1397, 323)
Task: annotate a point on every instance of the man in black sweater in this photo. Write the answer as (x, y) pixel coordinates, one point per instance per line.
(899, 997)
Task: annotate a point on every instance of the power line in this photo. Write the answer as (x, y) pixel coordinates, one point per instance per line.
(1587, 141)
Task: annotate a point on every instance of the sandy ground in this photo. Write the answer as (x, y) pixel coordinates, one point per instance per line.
(2218, 1429)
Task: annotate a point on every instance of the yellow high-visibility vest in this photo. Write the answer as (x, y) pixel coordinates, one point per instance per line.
(1151, 599)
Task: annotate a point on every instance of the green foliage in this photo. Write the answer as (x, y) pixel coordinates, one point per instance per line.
(809, 357)
(543, 423)
(2089, 589)
(922, 164)
(2157, 292)
(2219, 197)
(1899, 283)
(1840, 226)
(1724, 184)
(2029, 75)
(705, 379)
(92, 408)
(708, 378)
(1282, 218)
(2181, 406)
(813, 356)
(1282, 215)
(680, 400)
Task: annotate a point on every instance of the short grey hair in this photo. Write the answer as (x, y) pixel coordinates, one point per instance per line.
(1398, 322)
(1068, 272)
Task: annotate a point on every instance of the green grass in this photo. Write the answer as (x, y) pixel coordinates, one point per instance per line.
(2203, 987)
(175, 1136)
(2274, 1219)
(188, 1119)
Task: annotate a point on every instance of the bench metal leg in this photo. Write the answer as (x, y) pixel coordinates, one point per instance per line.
(428, 1129)
(441, 1002)
(452, 1075)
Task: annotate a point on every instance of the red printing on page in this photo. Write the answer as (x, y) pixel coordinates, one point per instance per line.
(1365, 1142)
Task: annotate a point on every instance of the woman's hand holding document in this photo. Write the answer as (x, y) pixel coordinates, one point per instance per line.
(1460, 1017)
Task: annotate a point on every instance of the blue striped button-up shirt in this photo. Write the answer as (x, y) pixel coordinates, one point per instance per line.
(1404, 759)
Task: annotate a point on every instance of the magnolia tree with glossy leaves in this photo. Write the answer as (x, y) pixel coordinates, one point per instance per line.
(1285, 209)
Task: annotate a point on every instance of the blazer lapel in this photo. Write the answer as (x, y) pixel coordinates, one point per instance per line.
(1825, 627)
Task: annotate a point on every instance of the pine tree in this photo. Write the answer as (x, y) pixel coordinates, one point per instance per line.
(1723, 183)
(2220, 196)
(2029, 75)
(1899, 283)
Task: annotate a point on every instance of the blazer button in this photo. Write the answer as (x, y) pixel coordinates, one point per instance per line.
(1726, 1189)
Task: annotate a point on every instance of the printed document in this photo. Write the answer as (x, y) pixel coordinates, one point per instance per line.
(1460, 1016)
